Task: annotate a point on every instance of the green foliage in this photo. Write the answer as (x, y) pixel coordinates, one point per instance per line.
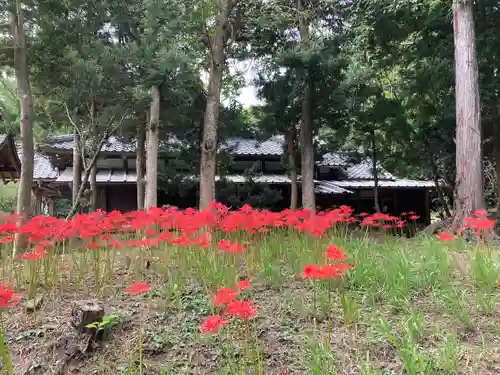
(107, 323)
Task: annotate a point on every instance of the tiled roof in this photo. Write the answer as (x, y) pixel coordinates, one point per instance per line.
(113, 144)
(264, 179)
(239, 178)
(364, 170)
(355, 171)
(103, 176)
(330, 188)
(237, 146)
(332, 159)
(360, 184)
(242, 146)
(42, 167)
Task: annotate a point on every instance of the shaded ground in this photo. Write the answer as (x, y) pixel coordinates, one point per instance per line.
(409, 307)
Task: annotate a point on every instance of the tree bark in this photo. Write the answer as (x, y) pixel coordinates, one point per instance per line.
(85, 178)
(375, 172)
(306, 126)
(496, 153)
(93, 171)
(153, 137)
(24, 203)
(77, 167)
(292, 166)
(217, 59)
(140, 161)
(469, 194)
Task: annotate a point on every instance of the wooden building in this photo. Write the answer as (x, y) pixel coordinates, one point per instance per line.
(340, 179)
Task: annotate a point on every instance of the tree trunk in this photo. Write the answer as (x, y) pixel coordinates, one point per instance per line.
(469, 195)
(77, 167)
(24, 204)
(140, 161)
(496, 153)
(85, 178)
(153, 137)
(217, 57)
(375, 172)
(306, 126)
(93, 171)
(292, 166)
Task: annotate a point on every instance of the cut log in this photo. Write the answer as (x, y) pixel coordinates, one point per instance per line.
(35, 303)
(84, 313)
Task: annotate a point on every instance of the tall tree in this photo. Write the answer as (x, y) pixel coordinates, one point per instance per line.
(469, 194)
(306, 123)
(24, 201)
(218, 42)
(153, 137)
(141, 164)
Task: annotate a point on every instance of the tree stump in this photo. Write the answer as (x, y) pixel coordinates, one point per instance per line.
(84, 313)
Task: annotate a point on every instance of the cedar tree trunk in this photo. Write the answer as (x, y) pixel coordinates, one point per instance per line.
(153, 137)
(24, 202)
(140, 161)
(294, 194)
(469, 195)
(375, 172)
(306, 126)
(77, 167)
(93, 171)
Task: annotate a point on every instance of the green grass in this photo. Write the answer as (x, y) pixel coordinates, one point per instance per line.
(409, 306)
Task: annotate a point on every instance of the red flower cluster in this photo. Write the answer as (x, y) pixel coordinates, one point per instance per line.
(328, 270)
(181, 227)
(225, 298)
(445, 236)
(7, 297)
(230, 247)
(137, 288)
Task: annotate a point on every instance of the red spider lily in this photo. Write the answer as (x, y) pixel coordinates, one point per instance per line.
(243, 284)
(311, 271)
(334, 253)
(224, 297)
(413, 217)
(479, 224)
(400, 224)
(40, 250)
(387, 226)
(7, 297)
(240, 309)
(445, 236)
(326, 271)
(30, 256)
(137, 288)
(7, 239)
(480, 213)
(212, 324)
(230, 247)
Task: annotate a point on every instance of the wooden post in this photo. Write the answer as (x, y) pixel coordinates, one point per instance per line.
(51, 207)
(38, 202)
(427, 208)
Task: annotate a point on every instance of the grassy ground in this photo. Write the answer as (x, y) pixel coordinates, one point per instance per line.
(408, 306)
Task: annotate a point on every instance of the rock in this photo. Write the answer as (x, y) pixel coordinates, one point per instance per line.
(35, 303)
(84, 313)
(35, 368)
